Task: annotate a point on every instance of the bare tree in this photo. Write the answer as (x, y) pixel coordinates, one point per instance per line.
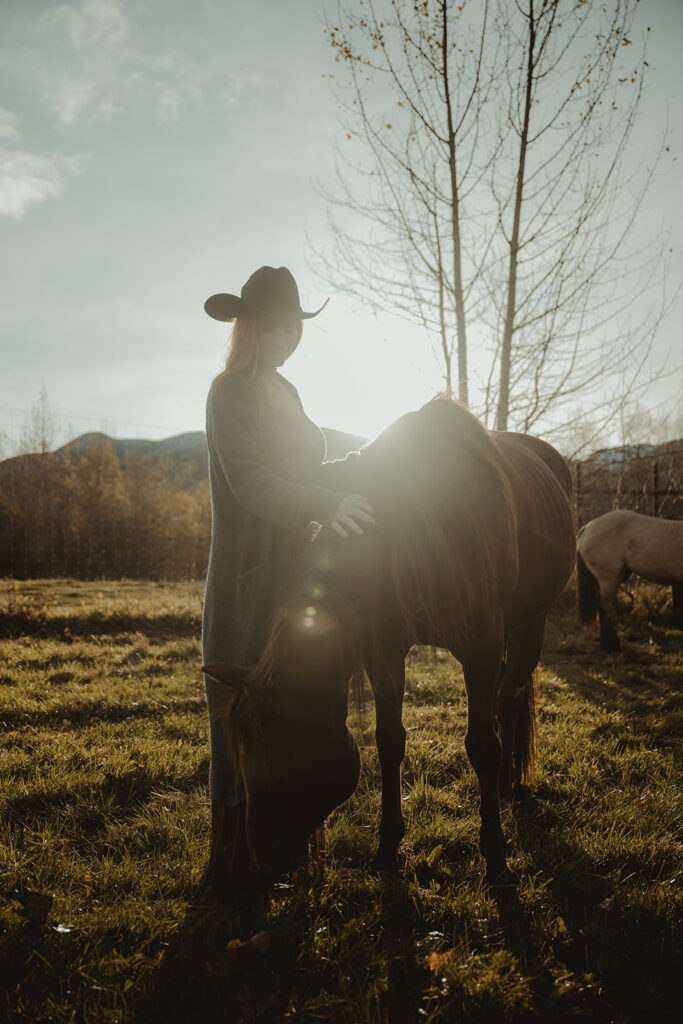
(40, 432)
(488, 164)
(406, 105)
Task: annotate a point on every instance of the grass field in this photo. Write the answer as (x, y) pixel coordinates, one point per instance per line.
(104, 827)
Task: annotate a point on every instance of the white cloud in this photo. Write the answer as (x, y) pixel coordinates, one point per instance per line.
(108, 109)
(107, 57)
(93, 22)
(89, 79)
(8, 124)
(169, 105)
(27, 178)
(70, 99)
(164, 62)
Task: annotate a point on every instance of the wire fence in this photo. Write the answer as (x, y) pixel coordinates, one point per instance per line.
(640, 478)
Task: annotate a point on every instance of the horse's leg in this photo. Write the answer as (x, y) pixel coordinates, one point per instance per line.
(386, 671)
(482, 671)
(677, 595)
(609, 639)
(516, 706)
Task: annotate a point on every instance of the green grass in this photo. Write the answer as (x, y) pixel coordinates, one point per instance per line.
(104, 814)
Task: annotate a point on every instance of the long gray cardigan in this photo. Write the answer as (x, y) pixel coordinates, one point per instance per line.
(264, 453)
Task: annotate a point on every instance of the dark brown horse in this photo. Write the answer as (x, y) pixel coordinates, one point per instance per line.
(474, 540)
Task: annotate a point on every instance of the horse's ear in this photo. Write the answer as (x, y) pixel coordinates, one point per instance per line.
(235, 678)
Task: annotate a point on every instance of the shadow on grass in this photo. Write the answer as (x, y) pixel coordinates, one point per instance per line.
(615, 936)
(68, 716)
(405, 978)
(155, 627)
(645, 680)
(198, 978)
(123, 796)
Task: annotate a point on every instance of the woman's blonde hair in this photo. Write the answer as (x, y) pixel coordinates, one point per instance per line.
(243, 355)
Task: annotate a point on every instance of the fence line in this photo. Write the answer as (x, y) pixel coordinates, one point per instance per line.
(650, 483)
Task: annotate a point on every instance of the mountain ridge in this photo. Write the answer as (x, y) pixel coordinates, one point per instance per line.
(189, 447)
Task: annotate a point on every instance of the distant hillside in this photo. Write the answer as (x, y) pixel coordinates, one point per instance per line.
(188, 449)
(192, 446)
(182, 446)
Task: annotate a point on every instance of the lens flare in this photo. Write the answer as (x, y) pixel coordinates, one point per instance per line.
(310, 618)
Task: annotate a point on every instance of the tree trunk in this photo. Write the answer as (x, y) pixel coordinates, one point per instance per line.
(508, 329)
(463, 391)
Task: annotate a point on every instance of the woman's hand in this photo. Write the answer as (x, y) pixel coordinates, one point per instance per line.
(352, 512)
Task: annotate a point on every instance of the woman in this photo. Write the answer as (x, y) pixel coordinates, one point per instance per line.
(264, 453)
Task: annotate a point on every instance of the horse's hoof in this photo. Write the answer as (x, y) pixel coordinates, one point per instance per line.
(387, 863)
(610, 642)
(501, 881)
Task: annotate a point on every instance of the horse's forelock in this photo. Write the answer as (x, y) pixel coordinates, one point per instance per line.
(261, 696)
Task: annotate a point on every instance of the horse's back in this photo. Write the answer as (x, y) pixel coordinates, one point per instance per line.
(646, 545)
(549, 455)
(475, 521)
(445, 510)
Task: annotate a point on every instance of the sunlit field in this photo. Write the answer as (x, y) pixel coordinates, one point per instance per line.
(104, 833)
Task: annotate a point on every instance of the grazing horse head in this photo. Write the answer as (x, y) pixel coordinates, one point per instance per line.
(286, 723)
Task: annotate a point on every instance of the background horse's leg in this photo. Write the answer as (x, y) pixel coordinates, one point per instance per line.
(677, 595)
(517, 707)
(482, 671)
(609, 639)
(386, 671)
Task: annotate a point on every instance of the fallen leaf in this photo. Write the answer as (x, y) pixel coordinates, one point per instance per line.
(437, 961)
(260, 941)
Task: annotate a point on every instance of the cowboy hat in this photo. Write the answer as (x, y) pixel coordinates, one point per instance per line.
(269, 291)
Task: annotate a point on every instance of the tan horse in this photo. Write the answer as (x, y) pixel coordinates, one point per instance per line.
(475, 539)
(617, 544)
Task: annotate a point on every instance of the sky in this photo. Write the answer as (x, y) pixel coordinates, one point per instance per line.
(155, 152)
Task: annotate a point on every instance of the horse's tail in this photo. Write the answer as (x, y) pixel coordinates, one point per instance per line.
(588, 591)
(524, 746)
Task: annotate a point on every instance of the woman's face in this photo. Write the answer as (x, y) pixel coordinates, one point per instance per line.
(277, 340)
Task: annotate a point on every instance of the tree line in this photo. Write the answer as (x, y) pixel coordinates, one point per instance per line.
(98, 515)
